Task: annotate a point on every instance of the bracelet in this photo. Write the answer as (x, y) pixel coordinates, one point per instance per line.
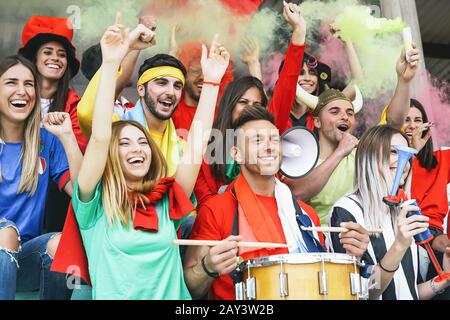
(214, 275)
(384, 269)
(433, 288)
(216, 84)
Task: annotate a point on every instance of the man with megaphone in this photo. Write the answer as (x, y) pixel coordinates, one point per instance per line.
(257, 207)
(334, 119)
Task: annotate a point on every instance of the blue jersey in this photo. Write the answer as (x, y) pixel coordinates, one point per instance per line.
(27, 211)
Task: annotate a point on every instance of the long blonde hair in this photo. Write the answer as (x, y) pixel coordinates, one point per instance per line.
(373, 180)
(117, 196)
(31, 133)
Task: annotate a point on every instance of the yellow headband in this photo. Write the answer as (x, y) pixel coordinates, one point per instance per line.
(159, 72)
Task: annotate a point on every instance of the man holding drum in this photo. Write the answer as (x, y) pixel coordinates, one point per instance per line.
(256, 207)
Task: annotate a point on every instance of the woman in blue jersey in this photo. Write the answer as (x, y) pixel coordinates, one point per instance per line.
(29, 157)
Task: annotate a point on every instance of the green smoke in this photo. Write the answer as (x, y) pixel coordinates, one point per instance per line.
(377, 40)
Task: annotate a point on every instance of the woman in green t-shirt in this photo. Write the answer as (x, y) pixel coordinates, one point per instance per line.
(128, 213)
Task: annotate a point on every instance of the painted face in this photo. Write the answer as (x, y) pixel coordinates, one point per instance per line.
(413, 120)
(162, 96)
(251, 97)
(259, 148)
(17, 93)
(51, 61)
(194, 81)
(397, 139)
(308, 79)
(336, 118)
(134, 154)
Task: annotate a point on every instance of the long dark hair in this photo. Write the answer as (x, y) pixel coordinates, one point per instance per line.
(426, 155)
(322, 70)
(230, 98)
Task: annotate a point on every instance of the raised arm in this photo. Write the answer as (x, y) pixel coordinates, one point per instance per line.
(146, 23)
(115, 45)
(140, 38)
(353, 60)
(286, 88)
(214, 66)
(174, 47)
(355, 67)
(399, 105)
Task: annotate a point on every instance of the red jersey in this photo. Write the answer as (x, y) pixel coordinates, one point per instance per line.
(71, 108)
(184, 115)
(429, 188)
(286, 88)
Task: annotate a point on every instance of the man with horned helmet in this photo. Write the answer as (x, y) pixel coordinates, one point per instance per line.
(334, 118)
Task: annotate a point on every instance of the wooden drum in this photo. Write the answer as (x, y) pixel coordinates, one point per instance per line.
(301, 276)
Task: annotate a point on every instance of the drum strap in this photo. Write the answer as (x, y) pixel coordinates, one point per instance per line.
(237, 275)
(235, 228)
(302, 219)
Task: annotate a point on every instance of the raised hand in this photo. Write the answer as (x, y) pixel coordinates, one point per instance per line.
(251, 52)
(291, 13)
(334, 30)
(149, 21)
(408, 64)
(215, 63)
(115, 42)
(58, 123)
(174, 48)
(223, 258)
(141, 38)
(418, 142)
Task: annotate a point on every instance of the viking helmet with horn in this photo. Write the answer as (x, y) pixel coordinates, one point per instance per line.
(315, 103)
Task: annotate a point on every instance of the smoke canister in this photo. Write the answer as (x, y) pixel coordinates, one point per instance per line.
(425, 236)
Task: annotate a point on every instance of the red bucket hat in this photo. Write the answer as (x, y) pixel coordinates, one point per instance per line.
(40, 30)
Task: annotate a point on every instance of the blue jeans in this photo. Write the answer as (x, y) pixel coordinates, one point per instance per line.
(29, 269)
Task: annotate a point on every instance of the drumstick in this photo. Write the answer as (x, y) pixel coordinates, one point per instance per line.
(240, 244)
(285, 4)
(338, 229)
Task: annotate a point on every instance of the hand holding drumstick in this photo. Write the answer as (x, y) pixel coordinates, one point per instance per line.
(353, 237)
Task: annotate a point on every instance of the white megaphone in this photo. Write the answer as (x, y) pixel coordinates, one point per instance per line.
(404, 155)
(300, 150)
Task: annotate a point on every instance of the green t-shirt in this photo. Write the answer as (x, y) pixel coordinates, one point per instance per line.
(128, 264)
(339, 184)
